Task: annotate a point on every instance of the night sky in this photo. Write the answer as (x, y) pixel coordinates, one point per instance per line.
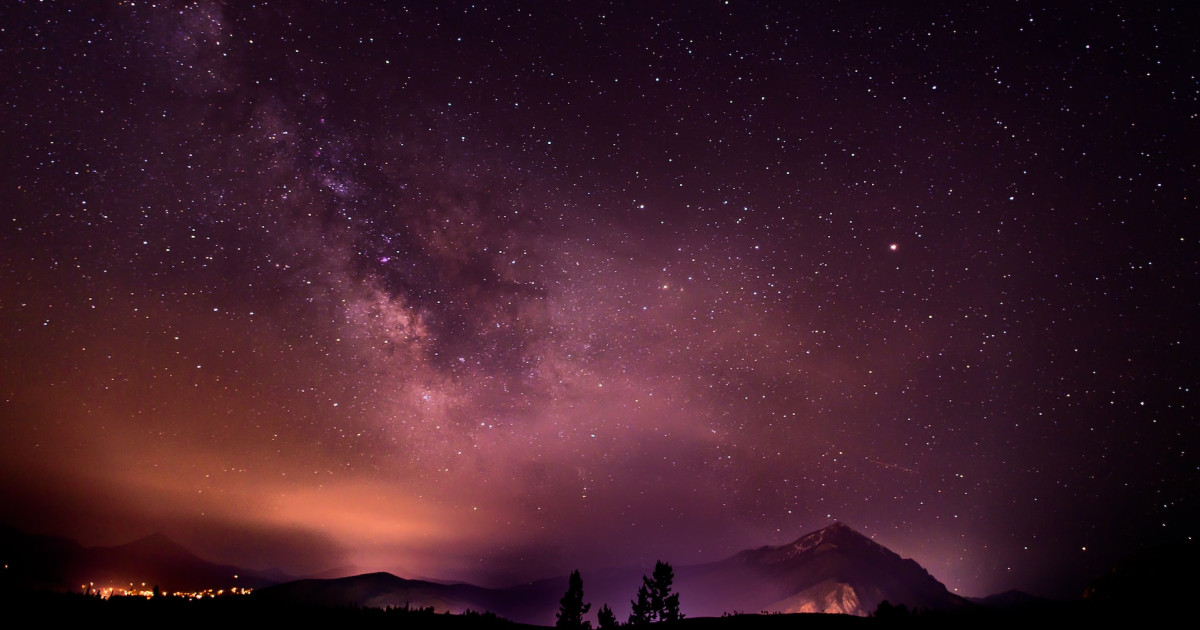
(492, 292)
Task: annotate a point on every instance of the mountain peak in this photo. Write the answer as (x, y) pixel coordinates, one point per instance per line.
(838, 533)
(837, 569)
(839, 528)
(157, 538)
(157, 543)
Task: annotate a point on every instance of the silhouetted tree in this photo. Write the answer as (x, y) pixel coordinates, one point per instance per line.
(665, 603)
(640, 612)
(571, 608)
(655, 601)
(607, 619)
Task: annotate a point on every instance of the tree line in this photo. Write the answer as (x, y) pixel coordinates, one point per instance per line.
(654, 602)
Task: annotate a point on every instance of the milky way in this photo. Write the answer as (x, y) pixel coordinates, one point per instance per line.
(495, 292)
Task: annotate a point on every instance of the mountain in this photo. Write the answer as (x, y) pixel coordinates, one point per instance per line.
(36, 562)
(383, 590)
(46, 562)
(832, 570)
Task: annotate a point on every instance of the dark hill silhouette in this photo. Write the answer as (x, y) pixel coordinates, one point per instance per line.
(1012, 600)
(35, 561)
(384, 590)
(158, 560)
(47, 562)
(528, 603)
(834, 570)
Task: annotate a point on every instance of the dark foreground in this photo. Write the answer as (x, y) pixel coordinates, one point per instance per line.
(57, 609)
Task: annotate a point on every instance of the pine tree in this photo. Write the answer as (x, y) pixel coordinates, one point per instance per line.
(641, 610)
(655, 601)
(665, 603)
(607, 619)
(670, 611)
(571, 607)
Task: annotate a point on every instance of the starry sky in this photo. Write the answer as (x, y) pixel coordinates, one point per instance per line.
(495, 291)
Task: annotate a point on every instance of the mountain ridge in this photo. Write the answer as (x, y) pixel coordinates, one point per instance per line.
(834, 569)
(55, 563)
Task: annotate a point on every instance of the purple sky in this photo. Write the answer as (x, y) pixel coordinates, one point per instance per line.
(494, 292)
